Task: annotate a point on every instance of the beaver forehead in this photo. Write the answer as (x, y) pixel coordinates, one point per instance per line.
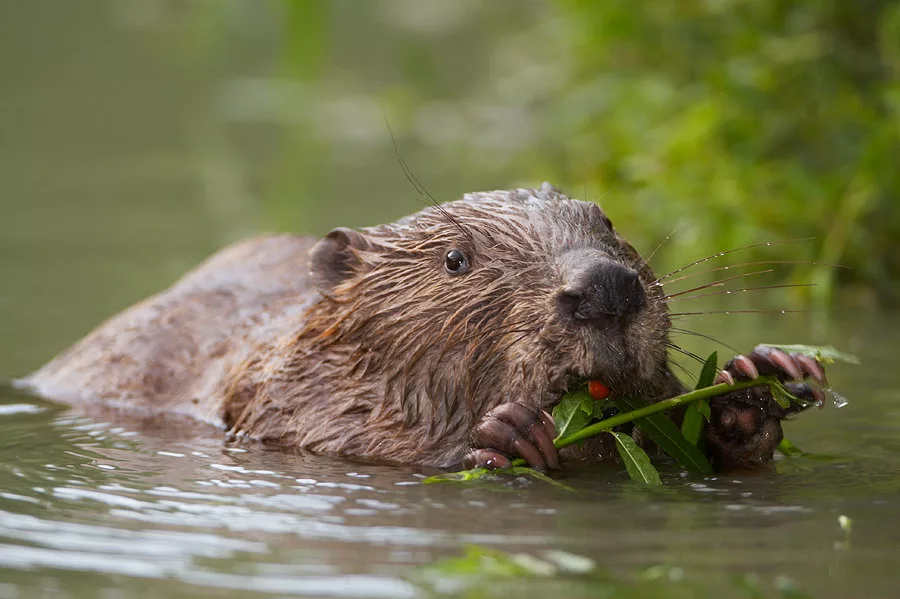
(538, 215)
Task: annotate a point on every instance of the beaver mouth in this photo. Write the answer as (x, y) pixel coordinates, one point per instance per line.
(562, 384)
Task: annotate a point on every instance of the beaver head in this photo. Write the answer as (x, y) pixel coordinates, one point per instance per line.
(425, 324)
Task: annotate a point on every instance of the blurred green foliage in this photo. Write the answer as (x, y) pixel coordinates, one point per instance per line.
(731, 122)
(764, 119)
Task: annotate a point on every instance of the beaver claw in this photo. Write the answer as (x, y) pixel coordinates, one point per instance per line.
(514, 429)
(745, 425)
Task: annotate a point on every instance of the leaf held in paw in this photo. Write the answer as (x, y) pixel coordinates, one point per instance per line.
(826, 354)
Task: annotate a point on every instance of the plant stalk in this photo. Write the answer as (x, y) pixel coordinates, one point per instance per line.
(667, 404)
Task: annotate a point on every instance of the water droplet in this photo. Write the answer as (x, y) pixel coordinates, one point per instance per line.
(837, 399)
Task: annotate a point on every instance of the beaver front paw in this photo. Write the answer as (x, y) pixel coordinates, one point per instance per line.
(514, 429)
(745, 425)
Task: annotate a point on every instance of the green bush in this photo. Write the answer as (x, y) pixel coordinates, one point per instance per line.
(733, 122)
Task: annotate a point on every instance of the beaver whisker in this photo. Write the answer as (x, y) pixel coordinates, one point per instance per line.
(719, 283)
(730, 291)
(757, 263)
(679, 314)
(696, 334)
(680, 366)
(661, 243)
(669, 275)
(685, 352)
(422, 191)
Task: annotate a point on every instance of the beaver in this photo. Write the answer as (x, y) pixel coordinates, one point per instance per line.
(441, 339)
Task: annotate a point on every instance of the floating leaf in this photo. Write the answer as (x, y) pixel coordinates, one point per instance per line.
(573, 412)
(462, 475)
(637, 463)
(845, 523)
(665, 433)
(789, 449)
(823, 353)
(481, 561)
(479, 473)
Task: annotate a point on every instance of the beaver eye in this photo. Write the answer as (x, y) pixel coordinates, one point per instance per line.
(456, 262)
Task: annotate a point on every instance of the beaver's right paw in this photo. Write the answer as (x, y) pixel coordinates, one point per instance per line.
(514, 429)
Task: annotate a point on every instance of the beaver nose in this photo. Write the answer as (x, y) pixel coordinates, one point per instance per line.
(602, 293)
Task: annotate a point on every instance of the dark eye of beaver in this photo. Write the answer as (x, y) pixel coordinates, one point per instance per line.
(456, 262)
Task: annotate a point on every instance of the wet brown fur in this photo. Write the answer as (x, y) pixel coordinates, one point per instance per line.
(364, 345)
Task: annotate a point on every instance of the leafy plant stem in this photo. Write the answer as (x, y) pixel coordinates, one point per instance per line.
(667, 404)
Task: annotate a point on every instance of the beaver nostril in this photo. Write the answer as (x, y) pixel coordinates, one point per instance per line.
(568, 301)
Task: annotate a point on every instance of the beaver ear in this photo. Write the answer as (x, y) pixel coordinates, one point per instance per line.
(334, 257)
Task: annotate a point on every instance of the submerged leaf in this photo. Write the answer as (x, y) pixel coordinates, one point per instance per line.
(636, 460)
(665, 433)
(573, 412)
(826, 354)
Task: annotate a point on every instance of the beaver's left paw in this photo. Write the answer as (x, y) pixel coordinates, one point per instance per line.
(745, 425)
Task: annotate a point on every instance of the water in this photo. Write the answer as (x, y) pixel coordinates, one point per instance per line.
(123, 162)
(89, 506)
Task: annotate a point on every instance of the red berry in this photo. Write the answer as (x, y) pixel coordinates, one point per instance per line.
(598, 390)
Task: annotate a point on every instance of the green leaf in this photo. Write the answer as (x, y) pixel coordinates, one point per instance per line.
(481, 561)
(599, 408)
(789, 449)
(573, 412)
(703, 407)
(637, 463)
(823, 353)
(479, 473)
(665, 433)
(692, 424)
(783, 397)
(462, 475)
(708, 372)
